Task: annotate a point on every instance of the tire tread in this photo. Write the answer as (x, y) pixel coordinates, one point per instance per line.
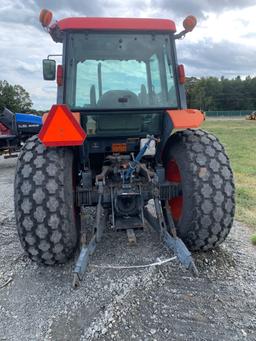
(210, 185)
(45, 223)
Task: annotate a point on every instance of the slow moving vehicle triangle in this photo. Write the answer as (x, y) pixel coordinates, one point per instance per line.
(61, 128)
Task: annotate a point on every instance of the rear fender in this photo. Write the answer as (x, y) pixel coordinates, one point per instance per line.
(186, 118)
(178, 119)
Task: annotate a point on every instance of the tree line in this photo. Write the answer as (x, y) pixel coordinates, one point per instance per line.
(207, 94)
(212, 94)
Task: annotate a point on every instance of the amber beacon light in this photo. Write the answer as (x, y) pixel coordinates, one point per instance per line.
(45, 17)
(189, 23)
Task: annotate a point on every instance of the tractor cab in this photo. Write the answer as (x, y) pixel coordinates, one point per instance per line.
(121, 73)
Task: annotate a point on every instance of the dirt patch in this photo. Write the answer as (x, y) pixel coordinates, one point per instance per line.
(156, 303)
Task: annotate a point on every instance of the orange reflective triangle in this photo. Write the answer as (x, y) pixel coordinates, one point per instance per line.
(61, 128)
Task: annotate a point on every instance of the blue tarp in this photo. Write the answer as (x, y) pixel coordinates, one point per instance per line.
(28, 118)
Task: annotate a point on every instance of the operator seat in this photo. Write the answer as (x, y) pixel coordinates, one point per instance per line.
(118, 99)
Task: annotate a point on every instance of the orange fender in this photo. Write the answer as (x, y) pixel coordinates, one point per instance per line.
(186, 118)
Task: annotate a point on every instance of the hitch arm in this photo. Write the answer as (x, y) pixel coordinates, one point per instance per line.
(88, 249)
(172, 242)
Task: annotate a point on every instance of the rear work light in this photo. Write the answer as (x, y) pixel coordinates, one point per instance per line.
(61, 128)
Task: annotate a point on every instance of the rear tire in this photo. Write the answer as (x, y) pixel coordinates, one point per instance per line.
(44, 202)
(204, 213)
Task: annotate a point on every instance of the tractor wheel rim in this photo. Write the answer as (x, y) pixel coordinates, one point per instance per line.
(173, 175)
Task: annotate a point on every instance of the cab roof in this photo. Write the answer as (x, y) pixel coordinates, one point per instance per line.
(111, 24)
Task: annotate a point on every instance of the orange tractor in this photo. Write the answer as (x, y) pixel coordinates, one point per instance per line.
(111, 143)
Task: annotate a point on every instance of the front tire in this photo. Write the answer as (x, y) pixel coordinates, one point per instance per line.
(204, 212)
(44, 202)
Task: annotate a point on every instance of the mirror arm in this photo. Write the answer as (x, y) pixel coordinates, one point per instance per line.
(181, 34)
(54, 55)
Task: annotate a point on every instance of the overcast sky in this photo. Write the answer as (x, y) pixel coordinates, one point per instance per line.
(223, 43)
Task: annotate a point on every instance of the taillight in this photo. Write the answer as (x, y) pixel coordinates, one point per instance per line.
(60, 75)
(181, 74)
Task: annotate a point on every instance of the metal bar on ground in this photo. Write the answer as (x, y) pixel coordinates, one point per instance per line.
(99, 225)
(82, 262)
(131, 237)
(88, 249)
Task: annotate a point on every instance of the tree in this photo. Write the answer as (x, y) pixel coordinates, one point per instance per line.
(221, 94)
(14, 97)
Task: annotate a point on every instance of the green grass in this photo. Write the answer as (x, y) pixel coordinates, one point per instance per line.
(253, 239)
(239, 139)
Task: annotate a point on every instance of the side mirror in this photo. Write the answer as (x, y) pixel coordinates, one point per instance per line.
(49, 69)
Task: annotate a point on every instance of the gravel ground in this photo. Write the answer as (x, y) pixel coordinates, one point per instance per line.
(156, 303)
